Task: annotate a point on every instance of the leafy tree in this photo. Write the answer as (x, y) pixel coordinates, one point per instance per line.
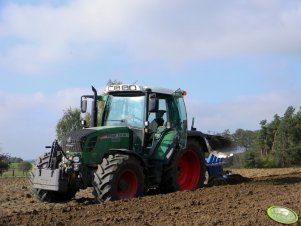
(87, 118)
(262, 138)
(24, 167)
(102, 103)
(113, 82)
(15, 159)
(70, 121)
(273, 131)
(72, 117)
(287, 140)
(227, 134)
(243, 138)
(250, 160)
(4, 162)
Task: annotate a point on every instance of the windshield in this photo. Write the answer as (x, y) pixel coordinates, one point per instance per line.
(124, 111)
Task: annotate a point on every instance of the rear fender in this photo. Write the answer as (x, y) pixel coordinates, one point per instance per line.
(201, 138)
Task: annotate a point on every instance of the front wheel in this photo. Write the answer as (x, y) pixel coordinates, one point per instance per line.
(186, 170)
(118, 177)
(53, 196)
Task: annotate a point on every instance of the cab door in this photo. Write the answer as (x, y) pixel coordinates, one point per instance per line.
(173, 132)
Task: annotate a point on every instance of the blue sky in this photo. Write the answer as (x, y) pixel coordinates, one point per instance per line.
(238, 60)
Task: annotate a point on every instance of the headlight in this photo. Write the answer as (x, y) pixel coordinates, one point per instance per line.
(64, 160)
(76, 159)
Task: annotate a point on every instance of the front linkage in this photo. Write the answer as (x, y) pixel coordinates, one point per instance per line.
(57, 174)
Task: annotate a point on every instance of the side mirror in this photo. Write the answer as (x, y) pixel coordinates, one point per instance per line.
(83, 123)
(153, 103)
(83, 106)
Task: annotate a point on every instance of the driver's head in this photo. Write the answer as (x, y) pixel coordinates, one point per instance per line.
(160, 113)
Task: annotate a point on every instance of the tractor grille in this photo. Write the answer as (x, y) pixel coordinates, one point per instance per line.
(74, 141)
(92, 142)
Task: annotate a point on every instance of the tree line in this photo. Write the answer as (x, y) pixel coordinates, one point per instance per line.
(276, 144)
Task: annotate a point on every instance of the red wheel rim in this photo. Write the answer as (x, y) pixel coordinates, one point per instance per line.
(127, 184)
(189, 170)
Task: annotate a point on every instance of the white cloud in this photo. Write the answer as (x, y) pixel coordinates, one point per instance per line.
(66, 98)
(243, 112)
(51, 35)
(16, 106)
(29, 120)
(170, 30)
(22, 126)
(190, 29)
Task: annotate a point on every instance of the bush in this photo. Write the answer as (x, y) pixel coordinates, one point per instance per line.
(4, 163)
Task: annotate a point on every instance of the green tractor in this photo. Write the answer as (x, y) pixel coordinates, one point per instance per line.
(140, 142)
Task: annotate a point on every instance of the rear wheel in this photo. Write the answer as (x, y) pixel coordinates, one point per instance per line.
(46, 195)
(186, 170)
(118, 177)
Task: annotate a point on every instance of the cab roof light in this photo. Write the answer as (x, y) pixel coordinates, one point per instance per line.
(184, 93)
(110, 88)
(133, 87)
(122, 88)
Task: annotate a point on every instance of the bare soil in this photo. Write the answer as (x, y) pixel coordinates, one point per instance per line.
(240, 204)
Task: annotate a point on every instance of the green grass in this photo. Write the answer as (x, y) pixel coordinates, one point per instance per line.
(14, 171)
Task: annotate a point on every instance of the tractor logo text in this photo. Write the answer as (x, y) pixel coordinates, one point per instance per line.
(115, 137)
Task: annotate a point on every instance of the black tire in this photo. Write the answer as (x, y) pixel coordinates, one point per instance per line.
(186, 170)
(118, 177)
(45, 195)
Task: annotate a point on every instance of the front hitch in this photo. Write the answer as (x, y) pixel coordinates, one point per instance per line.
(56, 150)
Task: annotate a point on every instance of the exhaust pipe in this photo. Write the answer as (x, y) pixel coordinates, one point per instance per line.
(94, 109)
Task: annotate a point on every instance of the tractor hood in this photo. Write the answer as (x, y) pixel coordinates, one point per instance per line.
(93, 143)
(86, 139)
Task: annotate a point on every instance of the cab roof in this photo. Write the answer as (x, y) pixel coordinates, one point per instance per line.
(138, 88)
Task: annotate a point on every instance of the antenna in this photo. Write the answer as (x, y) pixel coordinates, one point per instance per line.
(135, 82)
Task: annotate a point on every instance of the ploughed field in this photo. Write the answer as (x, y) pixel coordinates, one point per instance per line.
(241, 204)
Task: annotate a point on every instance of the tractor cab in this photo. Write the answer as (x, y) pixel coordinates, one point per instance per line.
(155, 117)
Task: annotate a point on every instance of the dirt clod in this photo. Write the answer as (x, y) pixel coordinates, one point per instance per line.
(28, 196)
